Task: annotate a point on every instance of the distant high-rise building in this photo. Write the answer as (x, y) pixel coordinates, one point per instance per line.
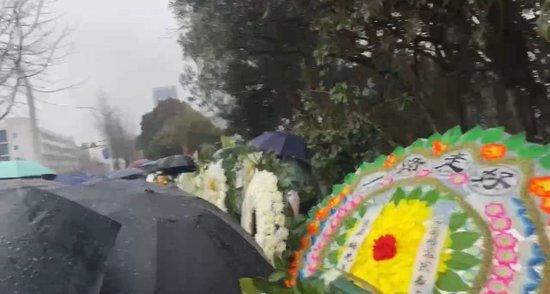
(163, 93)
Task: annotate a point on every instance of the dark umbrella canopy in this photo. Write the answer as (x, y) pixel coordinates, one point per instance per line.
(176, 164)
(149, 167)
(127, 174)
(169, 243)
(34, 183)
(283, 144)
(51, 245)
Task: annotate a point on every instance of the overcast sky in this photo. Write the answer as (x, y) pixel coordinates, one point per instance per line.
(123, 47)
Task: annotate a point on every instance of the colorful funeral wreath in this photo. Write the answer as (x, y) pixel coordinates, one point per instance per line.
(451, 213)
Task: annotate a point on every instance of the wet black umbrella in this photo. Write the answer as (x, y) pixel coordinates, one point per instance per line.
(34, 183)
(175, 164)
(282, 144)
(169, 243)
(51, 245)
(127, 174)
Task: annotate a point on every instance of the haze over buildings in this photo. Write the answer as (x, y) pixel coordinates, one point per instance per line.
(164, 93)
(122, 47)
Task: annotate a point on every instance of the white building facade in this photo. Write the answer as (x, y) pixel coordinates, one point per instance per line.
(55, 151)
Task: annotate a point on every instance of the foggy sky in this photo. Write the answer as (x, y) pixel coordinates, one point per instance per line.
(122, 47)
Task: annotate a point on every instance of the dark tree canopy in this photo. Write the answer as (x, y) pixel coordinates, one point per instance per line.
(359, 77)
(173, 126)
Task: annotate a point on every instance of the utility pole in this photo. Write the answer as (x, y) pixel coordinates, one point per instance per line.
(36, 144)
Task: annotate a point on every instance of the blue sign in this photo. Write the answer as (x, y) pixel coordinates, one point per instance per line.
(106, 153)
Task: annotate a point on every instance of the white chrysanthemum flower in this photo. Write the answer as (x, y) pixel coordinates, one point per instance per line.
(214, 185)
(188, 183)
(264, 198)
(248, 168)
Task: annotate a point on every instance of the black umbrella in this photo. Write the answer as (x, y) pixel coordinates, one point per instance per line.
(51, 245)
(175, 164)
(34, 183)
(169, 243)
(127, 174)
(282, 144)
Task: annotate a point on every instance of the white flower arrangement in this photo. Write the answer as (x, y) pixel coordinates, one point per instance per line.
(247, 165)
(263, 197)
(189, 182)
(212, 185)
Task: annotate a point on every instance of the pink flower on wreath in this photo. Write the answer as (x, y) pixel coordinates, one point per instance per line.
(459, 178)
(506, 256)
(505, 241)
(500, 223)
(496, 286)
(494, 209)
(423, 172)
(503, 272)
(387, 181)
(356, 201)
(349, 206)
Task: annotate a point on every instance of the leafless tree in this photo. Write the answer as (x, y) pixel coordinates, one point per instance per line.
(110, 124)
(29, 44)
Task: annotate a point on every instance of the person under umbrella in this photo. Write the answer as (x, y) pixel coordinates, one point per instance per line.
(51, 245)
(127, 174)
(283, 144)
(175, 164)
(169, 243)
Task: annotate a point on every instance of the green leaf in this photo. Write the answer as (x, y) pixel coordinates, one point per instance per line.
(432, 138)
(311, 286)
(515, 142)
(362, 210)
(418, 144)
(463, 240)
(280, 263)
(260, 285)
(333, 257)
(341, 240)
(365, 166)
(472, 135)
(343, 285)
(398, 151)
(415, 194)
(431, 197)
(531, 151)
(492, 135)
(379, 161)
(452, 135)
(336, 189)
(398, 195)
(545, 162)
(458, 220)
(276, 276)
(350, 222)
(247, 286)
(462, 261)
(451, 282)
(349, 178)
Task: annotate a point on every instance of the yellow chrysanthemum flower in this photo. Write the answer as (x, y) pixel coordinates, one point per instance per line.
(445, 255)
(387, 256)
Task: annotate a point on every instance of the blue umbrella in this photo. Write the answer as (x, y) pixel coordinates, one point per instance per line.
(23, 169)
(73, 178)
(283, 144)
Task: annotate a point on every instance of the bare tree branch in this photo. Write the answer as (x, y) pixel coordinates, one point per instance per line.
(29, 45)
